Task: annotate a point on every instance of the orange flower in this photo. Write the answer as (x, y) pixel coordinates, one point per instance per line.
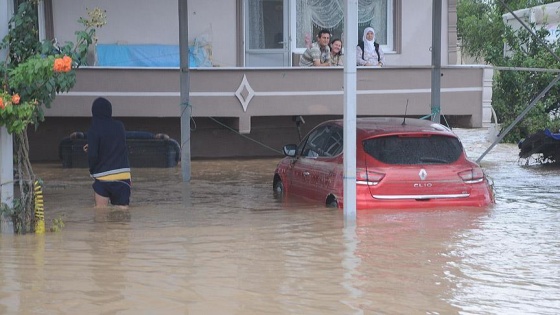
(2, 106)
(67, 63)
(15, 99)
(67, 60)
(63, 64)
(57, 65)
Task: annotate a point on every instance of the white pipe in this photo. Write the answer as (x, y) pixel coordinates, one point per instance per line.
(6, 142)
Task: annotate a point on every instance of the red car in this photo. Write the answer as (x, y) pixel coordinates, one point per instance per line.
(400, 163)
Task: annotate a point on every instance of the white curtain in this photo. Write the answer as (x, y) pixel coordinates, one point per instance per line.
(329, 14)
(256, 27)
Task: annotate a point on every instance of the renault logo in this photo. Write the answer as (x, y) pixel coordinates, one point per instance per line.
(423, 174)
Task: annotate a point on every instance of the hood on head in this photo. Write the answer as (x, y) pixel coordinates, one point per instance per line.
(368, 29)
(101, 108)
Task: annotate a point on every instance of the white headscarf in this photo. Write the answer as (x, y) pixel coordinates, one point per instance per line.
(368, 44)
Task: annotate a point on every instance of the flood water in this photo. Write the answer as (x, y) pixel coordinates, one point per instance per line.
(222, 244)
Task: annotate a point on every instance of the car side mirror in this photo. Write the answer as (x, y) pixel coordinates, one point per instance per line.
(290, 150)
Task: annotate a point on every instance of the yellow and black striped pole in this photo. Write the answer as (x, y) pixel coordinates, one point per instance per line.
(39, 208)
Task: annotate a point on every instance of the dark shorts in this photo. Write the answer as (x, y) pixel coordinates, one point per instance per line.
(117, 191)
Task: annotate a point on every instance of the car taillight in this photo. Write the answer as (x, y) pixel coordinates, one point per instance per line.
(472, 176)
(370, 178)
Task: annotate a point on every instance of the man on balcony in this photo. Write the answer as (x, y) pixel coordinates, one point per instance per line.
(319, 54)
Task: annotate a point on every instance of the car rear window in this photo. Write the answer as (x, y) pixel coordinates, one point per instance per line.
(411, 150)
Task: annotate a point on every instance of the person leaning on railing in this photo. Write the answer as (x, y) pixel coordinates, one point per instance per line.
(336, 52)
(319, 54)
(368, 52)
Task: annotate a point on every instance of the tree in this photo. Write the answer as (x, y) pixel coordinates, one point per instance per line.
(484, 36)
(32, 75)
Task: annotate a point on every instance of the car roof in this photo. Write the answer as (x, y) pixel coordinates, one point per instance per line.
(370, 126)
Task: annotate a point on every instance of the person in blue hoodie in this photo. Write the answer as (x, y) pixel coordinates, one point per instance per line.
(108, 157)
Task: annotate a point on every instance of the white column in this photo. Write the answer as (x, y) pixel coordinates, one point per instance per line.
(6, 167)
(351, 40)
(6, 144)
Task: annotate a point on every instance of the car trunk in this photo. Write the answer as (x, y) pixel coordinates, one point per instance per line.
(421, 182)
(420, 166)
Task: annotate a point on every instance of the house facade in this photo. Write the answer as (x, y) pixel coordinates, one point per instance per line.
(545, 16)
(244, 82)
(260, 33)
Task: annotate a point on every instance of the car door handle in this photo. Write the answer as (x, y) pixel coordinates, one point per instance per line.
(306, 173)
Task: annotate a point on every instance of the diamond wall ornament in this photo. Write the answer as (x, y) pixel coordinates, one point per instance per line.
(244, 93)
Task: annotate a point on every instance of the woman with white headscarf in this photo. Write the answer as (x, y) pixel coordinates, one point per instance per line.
(368, 52)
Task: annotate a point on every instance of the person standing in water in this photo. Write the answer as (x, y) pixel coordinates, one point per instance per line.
(108, 157)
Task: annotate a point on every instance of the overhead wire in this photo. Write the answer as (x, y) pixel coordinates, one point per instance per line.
(188, 106)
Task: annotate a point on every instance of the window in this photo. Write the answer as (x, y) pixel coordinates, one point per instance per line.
(314, 15)
(414, 150)
(13, 7)
(321, 142)
(266, 24)
(334, 147)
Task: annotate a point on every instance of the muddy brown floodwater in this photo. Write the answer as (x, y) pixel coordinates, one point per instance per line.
(222, 244)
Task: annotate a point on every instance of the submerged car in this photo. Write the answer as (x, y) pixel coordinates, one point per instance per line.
(400, 163)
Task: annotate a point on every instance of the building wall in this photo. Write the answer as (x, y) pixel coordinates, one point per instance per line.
(416, 23)
(208, 136)
(157, 22)
(257, 102)
(149, 98)
(244, 93)
(153, 22)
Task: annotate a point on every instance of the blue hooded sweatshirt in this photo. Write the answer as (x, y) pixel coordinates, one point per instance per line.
(107, 149)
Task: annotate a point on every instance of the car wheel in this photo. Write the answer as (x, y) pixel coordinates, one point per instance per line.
(332, 202)
(278, 188)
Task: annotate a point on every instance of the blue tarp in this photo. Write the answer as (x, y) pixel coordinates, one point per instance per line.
(555, 136)
(148, 55)
(112, 55)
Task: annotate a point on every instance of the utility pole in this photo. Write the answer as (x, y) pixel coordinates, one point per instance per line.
(185, 90)
(436, 60)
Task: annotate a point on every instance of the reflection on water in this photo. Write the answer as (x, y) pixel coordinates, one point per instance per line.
(222, 244)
